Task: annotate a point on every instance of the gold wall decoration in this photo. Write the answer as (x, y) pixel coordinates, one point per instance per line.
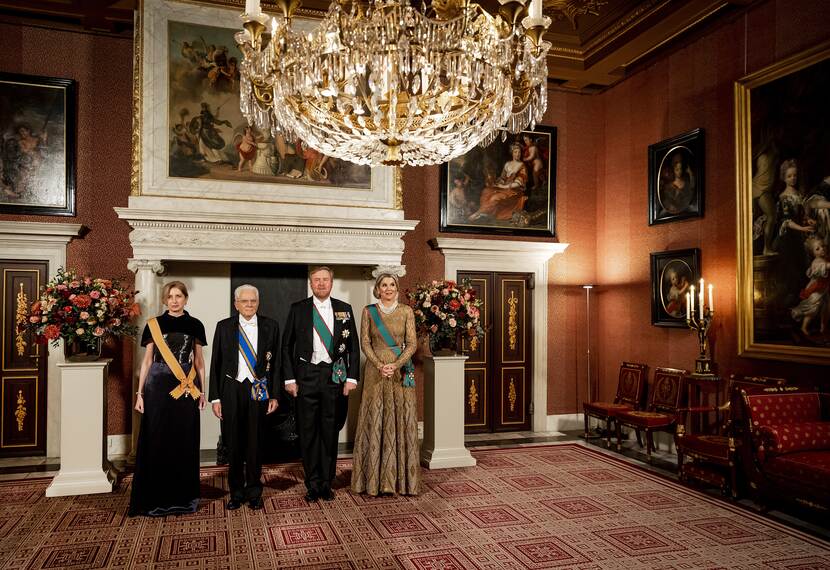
(511, 395)
(20, 412)
(512, 320)
(22, 312)
(775, 280)
(473, 397)
(572, 9)
(474, 343)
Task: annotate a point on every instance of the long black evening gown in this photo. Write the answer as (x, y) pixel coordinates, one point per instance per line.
(166, 479)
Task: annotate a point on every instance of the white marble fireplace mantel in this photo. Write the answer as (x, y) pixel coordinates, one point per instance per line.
(220, 230)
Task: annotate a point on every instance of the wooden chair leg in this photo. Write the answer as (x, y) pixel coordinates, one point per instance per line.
(619, 435)
(680, 464)
(587, 423)
(639, 439)
(733, 480)
(649, 444)
(608, 432)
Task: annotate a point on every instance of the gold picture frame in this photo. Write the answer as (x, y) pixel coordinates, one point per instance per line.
(158, 53)
(783, 209)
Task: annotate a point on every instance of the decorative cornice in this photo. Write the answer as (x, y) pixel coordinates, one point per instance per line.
(63, 232)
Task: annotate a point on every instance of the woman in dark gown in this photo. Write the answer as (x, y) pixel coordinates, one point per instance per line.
(166, 479)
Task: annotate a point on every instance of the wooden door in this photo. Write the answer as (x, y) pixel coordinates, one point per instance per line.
(498, 375)
(23, 373)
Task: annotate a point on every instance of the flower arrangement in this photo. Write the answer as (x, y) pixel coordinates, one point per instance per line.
(446, 311)
(83, 310)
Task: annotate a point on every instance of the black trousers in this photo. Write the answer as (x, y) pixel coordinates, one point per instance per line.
(317, 401)
(243, 430)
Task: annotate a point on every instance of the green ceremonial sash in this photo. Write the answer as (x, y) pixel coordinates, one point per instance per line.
(408, 369)
(338, 367)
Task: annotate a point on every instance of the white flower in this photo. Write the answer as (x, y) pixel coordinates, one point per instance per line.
(341, 348)
(345, 333)
(426, 304)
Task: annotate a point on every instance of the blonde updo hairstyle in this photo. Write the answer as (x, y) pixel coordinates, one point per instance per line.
(381, 277)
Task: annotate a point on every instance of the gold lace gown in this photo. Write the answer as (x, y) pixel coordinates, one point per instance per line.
(386, 450)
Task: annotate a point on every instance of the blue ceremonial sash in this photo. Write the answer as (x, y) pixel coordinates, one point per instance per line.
(408, 369)
(338, 367)
(259, 388)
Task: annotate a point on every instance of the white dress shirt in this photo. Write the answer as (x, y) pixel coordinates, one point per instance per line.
(319, 353)
(252, 332)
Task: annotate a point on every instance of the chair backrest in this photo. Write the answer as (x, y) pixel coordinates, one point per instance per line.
(783, 408)
(666, 392)
(631, 385)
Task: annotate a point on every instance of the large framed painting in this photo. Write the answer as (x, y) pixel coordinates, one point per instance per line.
(783, 185)
(675, 178)
(507, 187)
(37, 149)
(196, 143)
(672, 275)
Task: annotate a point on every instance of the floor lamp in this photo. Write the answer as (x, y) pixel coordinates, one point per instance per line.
(588, 343)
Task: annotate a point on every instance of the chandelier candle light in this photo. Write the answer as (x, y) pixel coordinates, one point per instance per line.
(700, 320)
(383, 82)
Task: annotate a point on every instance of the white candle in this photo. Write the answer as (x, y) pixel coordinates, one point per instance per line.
(711, 305)
(252, 7)
(701, 297)
(687, 305)
(536, 9)
(692, 298)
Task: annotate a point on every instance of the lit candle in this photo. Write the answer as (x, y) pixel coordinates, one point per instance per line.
(252, 7)
(711, 305)
(692, 299)
(701, 297)
(687, 305)
(536, 9)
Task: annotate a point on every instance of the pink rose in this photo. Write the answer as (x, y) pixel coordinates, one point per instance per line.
(452, 322)
(434, 328)
(34, 319)
(95, 294)
(84, 315)
(98, 331)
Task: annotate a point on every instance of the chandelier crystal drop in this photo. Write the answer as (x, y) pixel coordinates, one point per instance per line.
(384, 82)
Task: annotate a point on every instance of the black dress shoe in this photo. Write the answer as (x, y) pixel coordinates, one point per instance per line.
(327, 495)
(256, 504)
(311, 496)
(233, 504)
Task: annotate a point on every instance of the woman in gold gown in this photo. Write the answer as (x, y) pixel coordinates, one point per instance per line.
(386, 450)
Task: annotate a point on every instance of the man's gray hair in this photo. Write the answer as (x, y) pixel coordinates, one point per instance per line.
(246, 287)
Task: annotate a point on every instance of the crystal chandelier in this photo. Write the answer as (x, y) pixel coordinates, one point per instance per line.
(384, 82)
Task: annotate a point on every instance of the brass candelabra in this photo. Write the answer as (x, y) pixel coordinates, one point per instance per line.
(700, 318)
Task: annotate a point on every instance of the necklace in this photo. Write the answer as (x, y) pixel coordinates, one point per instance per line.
(388, 310)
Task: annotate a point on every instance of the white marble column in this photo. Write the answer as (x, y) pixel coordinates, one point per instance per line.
(84, 465)
(443, 444)
(148, 274)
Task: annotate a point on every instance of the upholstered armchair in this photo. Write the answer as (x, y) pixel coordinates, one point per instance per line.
(630, 389)
(666, 396)
(712, 456)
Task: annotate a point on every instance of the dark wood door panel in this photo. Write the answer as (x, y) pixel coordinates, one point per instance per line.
(23, 363)
(476, 394)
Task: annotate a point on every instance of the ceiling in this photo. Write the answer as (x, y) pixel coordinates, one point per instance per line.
(595, 43)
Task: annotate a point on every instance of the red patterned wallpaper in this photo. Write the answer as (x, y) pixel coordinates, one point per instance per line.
(102, 67)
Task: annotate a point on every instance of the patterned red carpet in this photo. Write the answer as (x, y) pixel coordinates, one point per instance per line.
(560, 506)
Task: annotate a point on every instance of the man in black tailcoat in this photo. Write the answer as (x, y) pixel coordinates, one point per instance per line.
(320, 365)
(244, 379)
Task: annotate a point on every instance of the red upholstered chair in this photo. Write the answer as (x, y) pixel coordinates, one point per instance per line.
(630, 390)
(712, 456)
(666, 397)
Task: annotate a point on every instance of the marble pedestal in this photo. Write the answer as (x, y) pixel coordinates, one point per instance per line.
(443, 445)
(84, 466)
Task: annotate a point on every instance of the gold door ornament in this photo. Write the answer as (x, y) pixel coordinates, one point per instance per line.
(512, 321)
(20, 412)
(20, 320)
(473, 397)
(511, 395)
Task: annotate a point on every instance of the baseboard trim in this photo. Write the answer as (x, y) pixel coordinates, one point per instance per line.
(562, 422)
(118, 444)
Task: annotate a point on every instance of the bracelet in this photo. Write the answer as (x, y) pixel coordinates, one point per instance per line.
(140, 394)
